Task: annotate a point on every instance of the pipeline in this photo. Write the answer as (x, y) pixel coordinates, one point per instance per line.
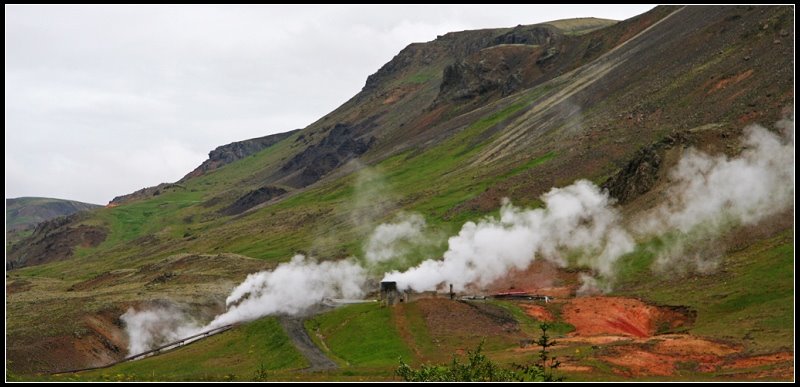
(172, 345)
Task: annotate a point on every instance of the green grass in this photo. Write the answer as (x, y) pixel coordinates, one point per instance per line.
(531, 164)
(422, 76)
(362, 335)
(239, 352)
(423, 341)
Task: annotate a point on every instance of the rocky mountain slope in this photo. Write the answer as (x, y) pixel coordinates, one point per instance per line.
(23, 214)
(446, 129)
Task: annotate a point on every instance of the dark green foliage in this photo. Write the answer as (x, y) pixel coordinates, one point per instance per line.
(479, 368)
(543, 370)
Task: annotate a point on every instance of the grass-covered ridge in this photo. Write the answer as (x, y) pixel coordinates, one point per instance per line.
(238, 354)
(362, 335)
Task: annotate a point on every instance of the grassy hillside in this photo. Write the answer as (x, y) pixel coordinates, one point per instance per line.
(250, 352)
(361, 336)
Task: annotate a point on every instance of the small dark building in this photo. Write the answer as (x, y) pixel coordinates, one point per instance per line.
(388, 292)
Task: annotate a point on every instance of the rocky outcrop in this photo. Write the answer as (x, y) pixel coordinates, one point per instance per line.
(234, 151)
(252, 199)
(500, 69)
(217, 158)
(54, 240)
(539, 35)
(144, 193)
(340, 145)
(637, 177)
(511, 62)
(640, 174)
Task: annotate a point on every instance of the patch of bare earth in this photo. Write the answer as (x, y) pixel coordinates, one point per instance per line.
(627, 329)
(445, 317)
(758, 361)
(538, 312)
(593, 316)
(638, 362)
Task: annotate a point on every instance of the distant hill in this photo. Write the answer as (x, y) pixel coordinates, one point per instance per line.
(23, 214)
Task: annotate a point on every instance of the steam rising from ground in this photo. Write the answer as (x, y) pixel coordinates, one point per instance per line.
(708, 194)
(390, 240)
(152, 327)
(756, 184)
(578, 218)
(578, 224)
(291, 288)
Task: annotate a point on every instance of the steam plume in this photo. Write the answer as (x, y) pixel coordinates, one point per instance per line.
(291, 288)
(756, 184)
(578, 217)
(155, 326)
(709, 194)
(390, 240)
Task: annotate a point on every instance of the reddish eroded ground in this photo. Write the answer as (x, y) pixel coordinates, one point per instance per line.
(618, 316)
(730, 81)
(639, 362)
(686, 345)
(758, 361)
(538, 312)
(662, 355)
(628, 328)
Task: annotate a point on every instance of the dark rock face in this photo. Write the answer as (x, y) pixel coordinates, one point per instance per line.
(511, 62)
(540, 35)
(640, 174)
(339, 146)
(54, 240)
(234, 151)
(252, 199)
(470, 79)
(637, 177)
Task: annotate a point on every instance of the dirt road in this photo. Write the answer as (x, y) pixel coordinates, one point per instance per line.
(317, 360)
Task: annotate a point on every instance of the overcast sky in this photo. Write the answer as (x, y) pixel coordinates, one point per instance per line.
(104, 100)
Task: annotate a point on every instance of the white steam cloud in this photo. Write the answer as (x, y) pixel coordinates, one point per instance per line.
(754, 185)
(391, 240)
(710, 193)
(578, 217)
(292, 288)
(150, 328)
